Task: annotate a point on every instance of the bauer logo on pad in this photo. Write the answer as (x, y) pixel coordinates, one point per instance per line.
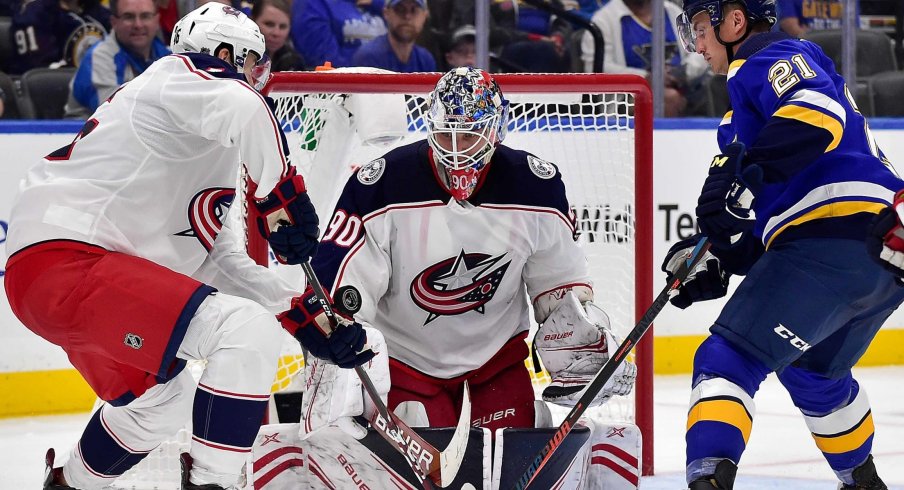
(133, 341)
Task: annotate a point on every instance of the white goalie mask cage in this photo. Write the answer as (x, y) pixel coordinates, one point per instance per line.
(466, 118)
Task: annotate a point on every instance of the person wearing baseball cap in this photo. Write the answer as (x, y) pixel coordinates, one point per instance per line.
(461, 48)
(396, 50)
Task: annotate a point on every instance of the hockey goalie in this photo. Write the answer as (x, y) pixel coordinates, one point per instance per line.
(449, 243)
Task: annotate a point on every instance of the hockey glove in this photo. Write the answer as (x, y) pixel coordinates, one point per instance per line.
(308, 323)
(574, 344)
(724, 208)
(885, 237)
(288, 220)
(706, 281)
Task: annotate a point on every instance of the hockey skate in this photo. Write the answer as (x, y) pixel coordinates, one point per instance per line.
(185, 462)
(865, 477)
(723, 479)
(53, 475)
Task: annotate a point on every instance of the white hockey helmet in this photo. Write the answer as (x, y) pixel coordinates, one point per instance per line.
(213, 25)
(466, 118)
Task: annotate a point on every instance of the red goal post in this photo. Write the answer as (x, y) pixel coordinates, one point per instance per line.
(597, 128)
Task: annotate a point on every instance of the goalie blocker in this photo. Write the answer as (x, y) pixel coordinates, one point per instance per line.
(596, 455)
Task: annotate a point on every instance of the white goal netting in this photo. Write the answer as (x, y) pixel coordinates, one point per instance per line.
(596, 128)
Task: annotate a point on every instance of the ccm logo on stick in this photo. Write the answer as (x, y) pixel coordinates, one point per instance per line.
(796, 341)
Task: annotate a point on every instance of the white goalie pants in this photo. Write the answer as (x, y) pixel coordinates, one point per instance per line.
(240, 341)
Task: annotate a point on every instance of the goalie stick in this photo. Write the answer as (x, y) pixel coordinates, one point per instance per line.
(430, 465)
(608, 369)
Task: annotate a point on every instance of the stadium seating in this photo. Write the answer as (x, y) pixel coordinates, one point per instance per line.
(11, 109)
(47, 90)
(875, 53)
(6, 46)
(887, 90)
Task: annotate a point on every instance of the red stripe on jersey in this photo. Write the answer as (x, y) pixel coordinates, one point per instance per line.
(552, 211)
(221, 447)
(234, 395)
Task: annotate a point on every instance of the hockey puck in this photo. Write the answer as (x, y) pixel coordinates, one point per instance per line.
(348, 299)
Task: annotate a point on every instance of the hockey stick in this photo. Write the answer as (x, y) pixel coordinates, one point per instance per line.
(611, 365)
(430, 465)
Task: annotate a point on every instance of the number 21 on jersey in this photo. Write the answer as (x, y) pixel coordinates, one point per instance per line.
(782, 74)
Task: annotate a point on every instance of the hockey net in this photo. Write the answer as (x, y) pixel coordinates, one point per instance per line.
(596, 128)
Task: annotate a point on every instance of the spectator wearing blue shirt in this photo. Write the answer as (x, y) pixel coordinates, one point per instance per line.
(120, 57)
(797, 17)
(396, 50)
(332, 30)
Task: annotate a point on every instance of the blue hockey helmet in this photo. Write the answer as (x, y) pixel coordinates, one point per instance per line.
(757, 11)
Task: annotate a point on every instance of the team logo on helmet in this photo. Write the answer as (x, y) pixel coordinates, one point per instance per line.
(372, 171)
(206, 214)
(228, 10)
(541, 168)
(458, 284)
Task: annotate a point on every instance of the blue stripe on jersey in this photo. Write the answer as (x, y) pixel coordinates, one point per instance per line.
(169, 367)
(102, 453)
(227, 420)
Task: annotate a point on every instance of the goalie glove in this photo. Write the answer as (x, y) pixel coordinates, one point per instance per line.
(308, 323)
(706, 281)
(885, 237)
(335, 396)
(573, 344)
(287, 219)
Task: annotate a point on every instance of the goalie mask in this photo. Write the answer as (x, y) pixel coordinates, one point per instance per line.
(213, 26)
(466, 118)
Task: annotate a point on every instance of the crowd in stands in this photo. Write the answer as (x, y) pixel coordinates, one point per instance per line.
(101, 44)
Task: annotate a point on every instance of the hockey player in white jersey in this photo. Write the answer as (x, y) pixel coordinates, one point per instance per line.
(450, 240)
(121, 253)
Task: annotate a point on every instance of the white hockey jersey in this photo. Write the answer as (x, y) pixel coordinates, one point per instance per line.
(154, 170)
(449, 284)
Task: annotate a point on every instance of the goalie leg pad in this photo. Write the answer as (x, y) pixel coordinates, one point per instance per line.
(515, 448)
(330, 458)
(614, 456)
(334, 395)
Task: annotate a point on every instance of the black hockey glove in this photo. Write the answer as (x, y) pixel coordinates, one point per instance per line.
(885, 238)
(724, 208)
(289, 222)
(706, 281)
(307, 322)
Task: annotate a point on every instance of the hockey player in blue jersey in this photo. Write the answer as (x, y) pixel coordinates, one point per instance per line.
(787, 204)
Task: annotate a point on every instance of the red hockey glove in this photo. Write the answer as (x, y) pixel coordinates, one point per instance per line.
(308, 323)
(288, 220)
(885, 237)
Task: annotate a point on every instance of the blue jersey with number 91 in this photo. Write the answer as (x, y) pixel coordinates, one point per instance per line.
(824, 175)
